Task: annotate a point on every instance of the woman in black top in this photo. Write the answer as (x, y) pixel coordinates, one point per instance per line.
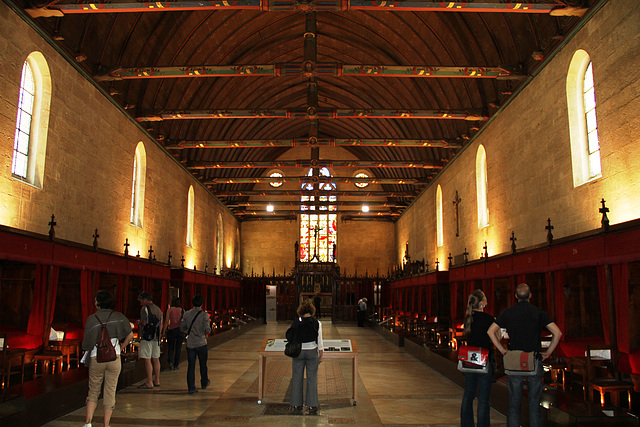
(307, 330)
(476, 324)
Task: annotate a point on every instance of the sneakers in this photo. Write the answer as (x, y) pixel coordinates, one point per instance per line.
(313, 410)
(87, 425)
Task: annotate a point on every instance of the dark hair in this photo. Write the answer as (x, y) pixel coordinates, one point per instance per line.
(145, 295)
(104, 299)
(306, 307)
(197, 300)
(175, 302)
(473, 303)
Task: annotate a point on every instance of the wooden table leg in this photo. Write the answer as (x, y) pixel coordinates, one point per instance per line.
(355, 379)
(261, 376)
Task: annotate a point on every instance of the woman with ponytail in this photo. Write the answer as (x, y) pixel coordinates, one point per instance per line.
(476, 324)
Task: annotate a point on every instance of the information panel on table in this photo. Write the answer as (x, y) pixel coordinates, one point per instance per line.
(332, 346)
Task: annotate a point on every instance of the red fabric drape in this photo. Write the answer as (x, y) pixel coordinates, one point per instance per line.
(454, 299)
(550, 297)
(125, 295)
(53, 292)
(86, 295)
(604, 307)
(164, 302)
(490, 293)
(620, 273)
(36, 318)
(120, 297)
(520, 278)
(559, 297)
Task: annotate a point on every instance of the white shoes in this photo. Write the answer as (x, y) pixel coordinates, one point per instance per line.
(87, 425)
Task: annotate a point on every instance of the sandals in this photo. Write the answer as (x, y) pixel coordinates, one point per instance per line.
(143, 386)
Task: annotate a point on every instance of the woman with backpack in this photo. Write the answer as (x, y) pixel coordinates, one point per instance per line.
(171, 330)
(307, 330)
(120, 334)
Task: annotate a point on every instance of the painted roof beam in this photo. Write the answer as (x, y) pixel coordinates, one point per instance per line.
(312, 114)
(310, 69)
(320, 163)
(315, 179)
(322, 142)
(549, 7)
(297, 193)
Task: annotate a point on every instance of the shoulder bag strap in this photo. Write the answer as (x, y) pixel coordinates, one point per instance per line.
(193, 321)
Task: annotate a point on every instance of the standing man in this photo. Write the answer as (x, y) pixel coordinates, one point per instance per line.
(524, 322)
(362, 311)
(196, 325)
(150, 316)
(316, 303)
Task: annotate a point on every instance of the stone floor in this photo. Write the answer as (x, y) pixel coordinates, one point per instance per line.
(394, 389)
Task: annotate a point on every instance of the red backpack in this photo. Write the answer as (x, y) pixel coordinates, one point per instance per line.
(106, 351)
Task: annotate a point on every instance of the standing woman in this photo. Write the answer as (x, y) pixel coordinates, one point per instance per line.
(476, 324)
(172, 332)
(120, 333)
(307, 330)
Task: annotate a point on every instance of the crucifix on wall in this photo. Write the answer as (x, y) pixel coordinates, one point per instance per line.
(456, 202)
(316, 231)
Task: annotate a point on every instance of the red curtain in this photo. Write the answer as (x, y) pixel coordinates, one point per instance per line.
(454, 299)
(620, 273)
(120, 295)
(559, 296)
(86, 295)
(36, 318)
(164, 302)
(603, 299)
(490, 293)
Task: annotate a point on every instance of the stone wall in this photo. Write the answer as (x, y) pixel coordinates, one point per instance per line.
(89, 167)
(529, 154)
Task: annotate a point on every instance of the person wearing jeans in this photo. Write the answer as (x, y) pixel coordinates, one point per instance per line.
(307, 330)
(524, 322)
(196, 325)
(476, 324)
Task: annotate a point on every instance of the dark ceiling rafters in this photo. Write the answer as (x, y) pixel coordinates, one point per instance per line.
(418, 33)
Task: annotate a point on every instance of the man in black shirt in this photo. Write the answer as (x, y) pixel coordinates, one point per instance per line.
(524, 322)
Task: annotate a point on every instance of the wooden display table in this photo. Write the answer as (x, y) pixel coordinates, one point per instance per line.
(333, 349)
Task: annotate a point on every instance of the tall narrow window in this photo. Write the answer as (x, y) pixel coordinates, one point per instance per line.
(481, 187)
(32, 121)
(219, 243)
(439, 231)
(583, 125)
(138, 184)
(190, 215)
(318, 222)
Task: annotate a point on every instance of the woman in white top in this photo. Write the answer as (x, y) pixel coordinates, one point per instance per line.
(307, 330)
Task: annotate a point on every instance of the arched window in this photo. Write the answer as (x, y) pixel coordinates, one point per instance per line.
(32, 121)
(190, 215)
(138, 185)
(439, 230)
(481, 187)
(583, 126)
(318, 227)
(219, 243)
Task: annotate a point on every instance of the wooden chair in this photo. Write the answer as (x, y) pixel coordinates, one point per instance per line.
(7, 359)
(612, 383)
(70, 348)
(49, 356)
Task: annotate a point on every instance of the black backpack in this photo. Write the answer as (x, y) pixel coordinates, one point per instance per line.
(151, 329)
(106, 351)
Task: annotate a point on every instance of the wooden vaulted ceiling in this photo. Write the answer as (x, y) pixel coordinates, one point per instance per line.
(229, 87)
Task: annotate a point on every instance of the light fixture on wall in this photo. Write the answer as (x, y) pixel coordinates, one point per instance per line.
(269, 207)
(365, 208)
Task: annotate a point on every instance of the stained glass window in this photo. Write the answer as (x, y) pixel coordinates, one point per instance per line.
(593, 144)
(318, 223)
(276, 183)
(361, 184)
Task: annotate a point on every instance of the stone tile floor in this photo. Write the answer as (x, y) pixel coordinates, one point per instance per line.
(395, 389)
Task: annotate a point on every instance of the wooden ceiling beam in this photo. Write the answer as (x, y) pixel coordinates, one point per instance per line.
(298, 193)
(311, 69)
(311, 113)
(315, 179)
(319, 163)
(487, 6)
(322, 142)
